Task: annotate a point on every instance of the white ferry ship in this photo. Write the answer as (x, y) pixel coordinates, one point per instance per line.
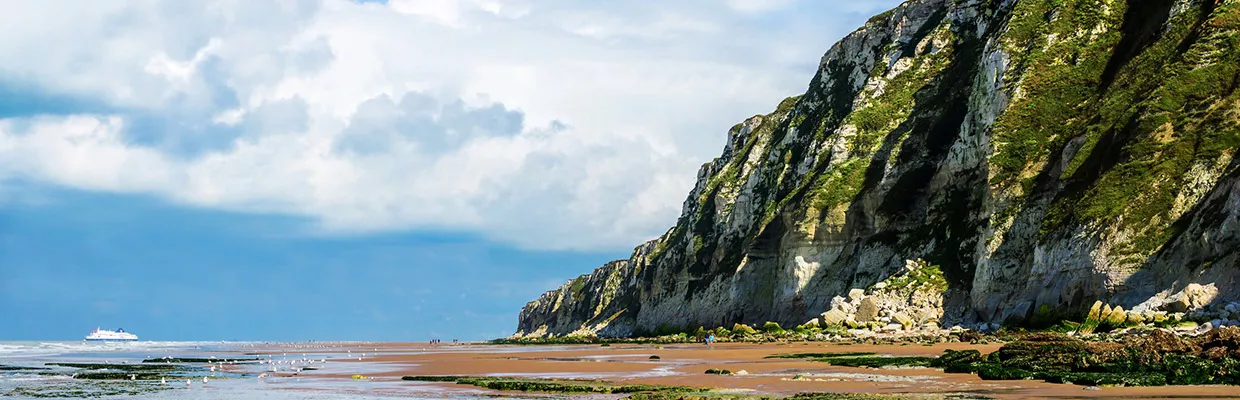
(100, 335)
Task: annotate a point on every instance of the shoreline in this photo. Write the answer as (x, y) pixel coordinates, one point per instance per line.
(804, 368)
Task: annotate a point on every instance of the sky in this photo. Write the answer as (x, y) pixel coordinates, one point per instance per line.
(360, 170)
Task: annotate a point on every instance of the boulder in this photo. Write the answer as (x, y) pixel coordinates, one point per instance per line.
(1095, 312)
(832, 318)
(1094, 318)
(1194, 296)
(867, 311)
(880, 286)
(841, 304)
(853, 324)
(1178, 304)
(904, 320)
(1199, 296)
(856, 294)
(1116, 317)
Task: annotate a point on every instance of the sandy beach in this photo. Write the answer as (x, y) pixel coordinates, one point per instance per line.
(685, 365)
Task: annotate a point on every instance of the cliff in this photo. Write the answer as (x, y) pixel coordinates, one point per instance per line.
(1044, 154)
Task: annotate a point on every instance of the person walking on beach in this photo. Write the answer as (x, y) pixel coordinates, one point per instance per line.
(710, 339)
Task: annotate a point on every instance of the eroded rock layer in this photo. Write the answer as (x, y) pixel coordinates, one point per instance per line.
(1043, 154)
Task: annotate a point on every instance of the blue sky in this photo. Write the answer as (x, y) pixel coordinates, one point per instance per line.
(331, 169)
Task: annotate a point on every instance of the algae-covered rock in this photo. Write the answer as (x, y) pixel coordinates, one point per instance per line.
(958, 361)
(1116, 317)
(742, 329)
(1144, 358)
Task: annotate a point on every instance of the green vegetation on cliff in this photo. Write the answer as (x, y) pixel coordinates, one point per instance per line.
(1023, 148)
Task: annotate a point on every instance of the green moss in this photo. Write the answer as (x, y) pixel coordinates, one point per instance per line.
(551, 385)
(120, 367)
(1151, 358)
(878, 361)
(578, 287)
(787, 104)
(670, 395)
(875, 120)
(927, 277)
(697, 244)
(821, 355)
(1140, 130)
(742, 329)
(84, 389)
(175, 360)
(840, 184)
(1058, 79)
(123, 376)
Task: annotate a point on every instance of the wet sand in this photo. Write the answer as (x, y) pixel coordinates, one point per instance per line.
(685, 365)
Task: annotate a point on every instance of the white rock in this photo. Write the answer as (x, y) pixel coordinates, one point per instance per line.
(839, 302)
(856, 294)
(880, 285)
(893, 327)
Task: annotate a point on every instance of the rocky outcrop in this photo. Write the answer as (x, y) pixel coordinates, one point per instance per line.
(909, 301)
(1043, 154)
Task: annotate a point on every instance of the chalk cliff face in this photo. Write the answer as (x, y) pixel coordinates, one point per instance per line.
(1043, 153)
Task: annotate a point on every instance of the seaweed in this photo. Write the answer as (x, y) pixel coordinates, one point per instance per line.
(551, 385)
(821, 355)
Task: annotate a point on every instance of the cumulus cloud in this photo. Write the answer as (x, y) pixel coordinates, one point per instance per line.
(550, 124)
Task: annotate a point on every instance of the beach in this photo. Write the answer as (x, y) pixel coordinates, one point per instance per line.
(363, 370)
(685, 364)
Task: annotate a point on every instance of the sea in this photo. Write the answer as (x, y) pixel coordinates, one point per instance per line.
(28, 370)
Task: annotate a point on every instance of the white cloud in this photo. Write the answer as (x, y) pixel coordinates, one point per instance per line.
(537, 122)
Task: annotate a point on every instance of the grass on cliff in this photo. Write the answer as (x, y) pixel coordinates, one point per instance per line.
(1134, 127)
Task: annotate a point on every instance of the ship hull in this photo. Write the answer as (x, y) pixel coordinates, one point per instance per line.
(110, 340)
